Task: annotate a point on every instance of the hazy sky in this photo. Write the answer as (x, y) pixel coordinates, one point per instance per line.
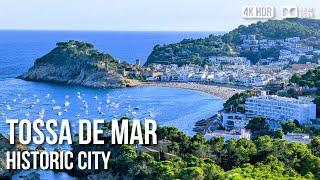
(137, 15)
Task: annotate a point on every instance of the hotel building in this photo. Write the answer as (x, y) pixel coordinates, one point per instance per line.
(281, 108)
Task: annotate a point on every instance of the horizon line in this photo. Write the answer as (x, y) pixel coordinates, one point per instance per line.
(115, 30)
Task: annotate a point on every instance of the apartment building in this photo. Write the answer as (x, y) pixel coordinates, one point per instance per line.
(281, 108)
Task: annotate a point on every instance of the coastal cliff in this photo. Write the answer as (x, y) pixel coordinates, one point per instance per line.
(77, 63)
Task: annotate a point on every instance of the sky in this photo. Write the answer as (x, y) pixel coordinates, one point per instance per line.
(133, 15)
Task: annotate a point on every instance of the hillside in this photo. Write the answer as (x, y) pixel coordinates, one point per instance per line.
(198, 51)
(275, 29)
(77, 63)
(194, 51)
(310, 79)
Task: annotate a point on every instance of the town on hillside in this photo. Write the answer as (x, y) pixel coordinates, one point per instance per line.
(270, 76)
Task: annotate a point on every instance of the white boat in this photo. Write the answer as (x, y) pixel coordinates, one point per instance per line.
(79, 95)
(8, 107)
(99, 110)
(56, 108)
(66, 104)
(59, 113)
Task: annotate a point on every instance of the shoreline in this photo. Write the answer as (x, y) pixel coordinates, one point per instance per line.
(223, 92)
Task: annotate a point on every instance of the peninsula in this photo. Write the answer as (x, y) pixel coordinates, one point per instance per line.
(77, 63)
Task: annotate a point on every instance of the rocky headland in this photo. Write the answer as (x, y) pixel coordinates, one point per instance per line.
(77, 63)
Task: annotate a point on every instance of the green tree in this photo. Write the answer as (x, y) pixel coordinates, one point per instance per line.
(278, 134)
(315, 146)
(124, 159)
(212, 171)
(290, 126)
(173, 147)
(216, 146)
(317, 102)
(237, 152)
(192, 173)
(258, 126)
(237, 101)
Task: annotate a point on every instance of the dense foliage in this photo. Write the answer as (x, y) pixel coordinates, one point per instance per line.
(275, 29)
(237, 101)
(74, 52)
(259, 126)
(190, 51)
(310, 79)
(198, 51)
(255, 56)
(196, 158)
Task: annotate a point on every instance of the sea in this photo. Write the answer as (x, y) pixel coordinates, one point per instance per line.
(30, 100)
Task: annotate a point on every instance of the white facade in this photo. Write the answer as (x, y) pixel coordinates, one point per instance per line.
(227, 135)
(297, 137)
(281, 108)
(228, 60)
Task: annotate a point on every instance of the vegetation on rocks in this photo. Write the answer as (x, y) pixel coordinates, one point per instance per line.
(237, 101)
(190, 51)
(77, 63)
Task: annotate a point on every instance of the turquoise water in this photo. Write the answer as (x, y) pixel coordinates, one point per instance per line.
(21, 99)
(169, 106)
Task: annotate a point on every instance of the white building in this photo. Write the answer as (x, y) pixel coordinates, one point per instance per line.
(198, 77)
(233, 120)
(227, 135)
(281, 108)
(297, 137)
(210, 77)
(228, 60)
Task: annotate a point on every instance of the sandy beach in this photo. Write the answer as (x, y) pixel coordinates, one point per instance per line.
(219, 91)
